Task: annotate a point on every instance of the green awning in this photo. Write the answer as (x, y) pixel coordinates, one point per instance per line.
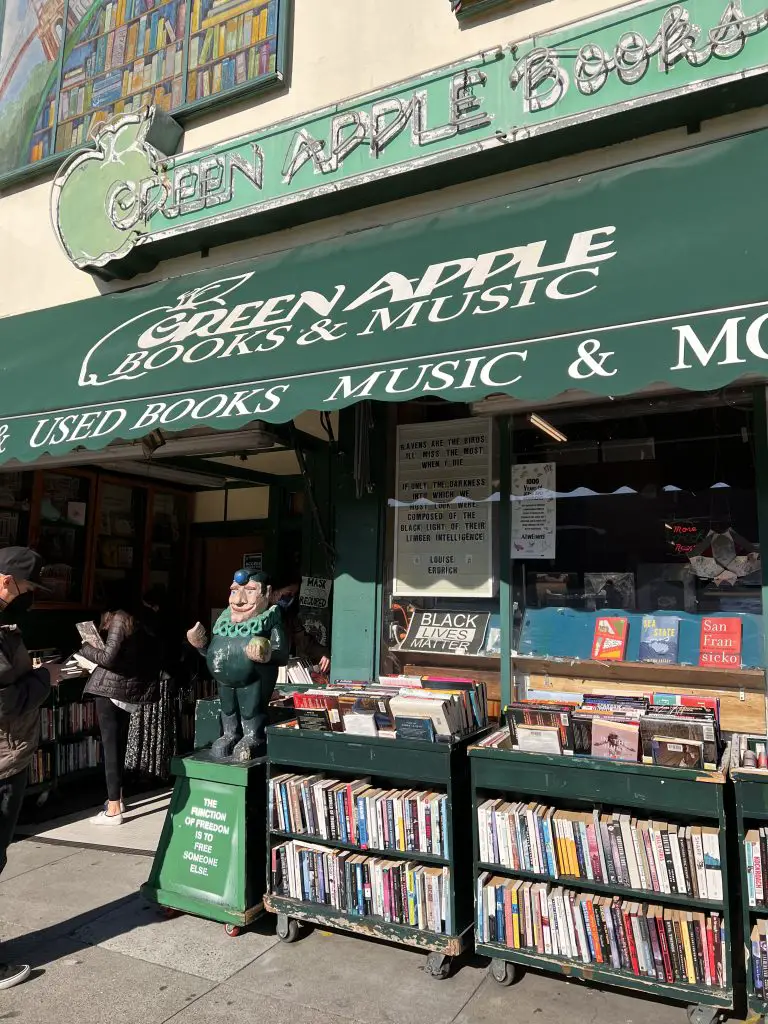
(645, 274)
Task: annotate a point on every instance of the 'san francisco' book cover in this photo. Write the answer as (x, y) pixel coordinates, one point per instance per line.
(720, 643)
(610, 640)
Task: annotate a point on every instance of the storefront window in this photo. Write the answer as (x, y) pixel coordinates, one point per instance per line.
(63, 535)
(119, 540)
(166, 548)
(635, 536)
(441, 611)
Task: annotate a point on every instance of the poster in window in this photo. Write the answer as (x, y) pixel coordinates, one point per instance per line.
(443, 505)
(534, 515)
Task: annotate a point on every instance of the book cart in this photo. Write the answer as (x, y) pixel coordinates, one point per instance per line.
(584, 784)
(390, 764)
(751, 798)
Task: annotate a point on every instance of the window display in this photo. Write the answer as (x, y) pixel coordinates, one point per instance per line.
(63, 535)
(654, 553)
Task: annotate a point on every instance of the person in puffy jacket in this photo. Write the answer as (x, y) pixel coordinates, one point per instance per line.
(22, 690)
(126, 676)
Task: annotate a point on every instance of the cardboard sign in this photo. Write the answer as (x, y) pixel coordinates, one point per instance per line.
(447, 632)
(315, 592)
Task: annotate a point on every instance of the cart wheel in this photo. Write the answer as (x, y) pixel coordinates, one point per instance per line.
(232, 930)
(42, 799)
(699, 1014)
(170, 913)
(287, 928)
(503, 972)
(438, 966)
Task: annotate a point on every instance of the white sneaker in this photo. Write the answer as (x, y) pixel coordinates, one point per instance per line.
(102, 818)
(13, 974)
(122, 806)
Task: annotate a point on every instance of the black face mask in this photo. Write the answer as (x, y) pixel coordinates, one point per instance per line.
(17, 609)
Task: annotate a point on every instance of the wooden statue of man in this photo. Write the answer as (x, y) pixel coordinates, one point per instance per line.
(247, 648)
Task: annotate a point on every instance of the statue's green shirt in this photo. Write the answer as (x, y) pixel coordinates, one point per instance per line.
(226, 657)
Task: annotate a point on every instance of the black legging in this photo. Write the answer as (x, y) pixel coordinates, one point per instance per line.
(113, 723)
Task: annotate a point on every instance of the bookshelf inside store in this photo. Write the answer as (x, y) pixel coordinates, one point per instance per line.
(371, 836)
(612, 872)
(70, 747)
(751, 798)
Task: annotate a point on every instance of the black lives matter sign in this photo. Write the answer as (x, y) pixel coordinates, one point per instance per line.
(444, 632)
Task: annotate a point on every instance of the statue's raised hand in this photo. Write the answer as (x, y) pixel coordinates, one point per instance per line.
(259, 650)
(197, 636)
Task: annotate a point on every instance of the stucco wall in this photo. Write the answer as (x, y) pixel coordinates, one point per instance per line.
(359, 46)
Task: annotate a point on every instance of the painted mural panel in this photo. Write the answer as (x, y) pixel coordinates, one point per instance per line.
(67, 67)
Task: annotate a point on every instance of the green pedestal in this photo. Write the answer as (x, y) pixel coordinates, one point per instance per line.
(210, 861)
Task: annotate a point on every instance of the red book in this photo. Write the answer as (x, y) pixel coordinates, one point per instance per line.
(508, 926)
(663, 945)
(610, 641)
(594, 931)
(720, 643)
(626, 914)
(711, 951)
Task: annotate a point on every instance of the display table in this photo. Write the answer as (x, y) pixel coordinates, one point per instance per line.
(210, 860)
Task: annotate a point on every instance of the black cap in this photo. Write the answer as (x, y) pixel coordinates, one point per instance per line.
(22, 564)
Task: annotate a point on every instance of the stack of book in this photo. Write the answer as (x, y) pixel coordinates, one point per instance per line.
(682, 734)
(673, 946)
(74, 757)
(759, 942)
(357, 813)
(613, 849)
(401, 892)
(756, 859)
(424, 709)
(41, 768)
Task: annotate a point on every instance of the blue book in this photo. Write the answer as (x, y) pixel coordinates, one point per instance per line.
(360, 894)
(659, 639)
(362, 824)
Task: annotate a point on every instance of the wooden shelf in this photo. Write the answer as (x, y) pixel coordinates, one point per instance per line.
(367, 851)
(646, 895)
(373, 927)
(600, 973)
(644, 672)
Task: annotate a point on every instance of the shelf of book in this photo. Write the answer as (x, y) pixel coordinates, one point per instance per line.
(62, 756)
(578, 784)
(586, 885)
(750, 788)
(714, 997)
(368, 851)
(415, 766)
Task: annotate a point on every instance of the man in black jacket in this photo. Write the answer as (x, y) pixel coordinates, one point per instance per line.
(22, 690)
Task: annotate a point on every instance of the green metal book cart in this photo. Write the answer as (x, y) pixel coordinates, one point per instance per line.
(679, 796)
(390, 764)
(751, 797)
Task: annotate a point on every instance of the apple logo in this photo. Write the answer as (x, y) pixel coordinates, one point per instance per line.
(95, 209)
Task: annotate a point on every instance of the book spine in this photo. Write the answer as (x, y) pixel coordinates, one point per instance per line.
(669, 862)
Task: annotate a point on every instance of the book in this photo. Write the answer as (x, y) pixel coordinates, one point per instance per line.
(89, 634)
(543, 739)
(615, 740)
(673, 753)
(720, 642)
(659, 639)
(415, 728)
(313, 719)
(610, 639)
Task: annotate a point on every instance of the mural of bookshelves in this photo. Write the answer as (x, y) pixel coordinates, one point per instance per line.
(41, 144)
(232, 42)
(132, 55)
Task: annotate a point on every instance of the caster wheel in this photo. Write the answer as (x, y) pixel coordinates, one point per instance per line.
(42, 799)
(704, 1015)
(287, 928)
(232, 930)
(503, 973)
(438, 966)
(170, 913)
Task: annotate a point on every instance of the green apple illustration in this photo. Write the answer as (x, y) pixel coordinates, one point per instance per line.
(94, 204)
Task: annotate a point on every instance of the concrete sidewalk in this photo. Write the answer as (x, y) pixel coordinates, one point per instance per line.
(101, 954)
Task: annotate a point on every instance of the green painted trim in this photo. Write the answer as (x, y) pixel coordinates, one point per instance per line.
(196, 767)
(504, 426)
(760, 421)
(200, 908)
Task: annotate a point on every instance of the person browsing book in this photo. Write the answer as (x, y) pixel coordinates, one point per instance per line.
(22, 690)
(126, 676)
(303, 644)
